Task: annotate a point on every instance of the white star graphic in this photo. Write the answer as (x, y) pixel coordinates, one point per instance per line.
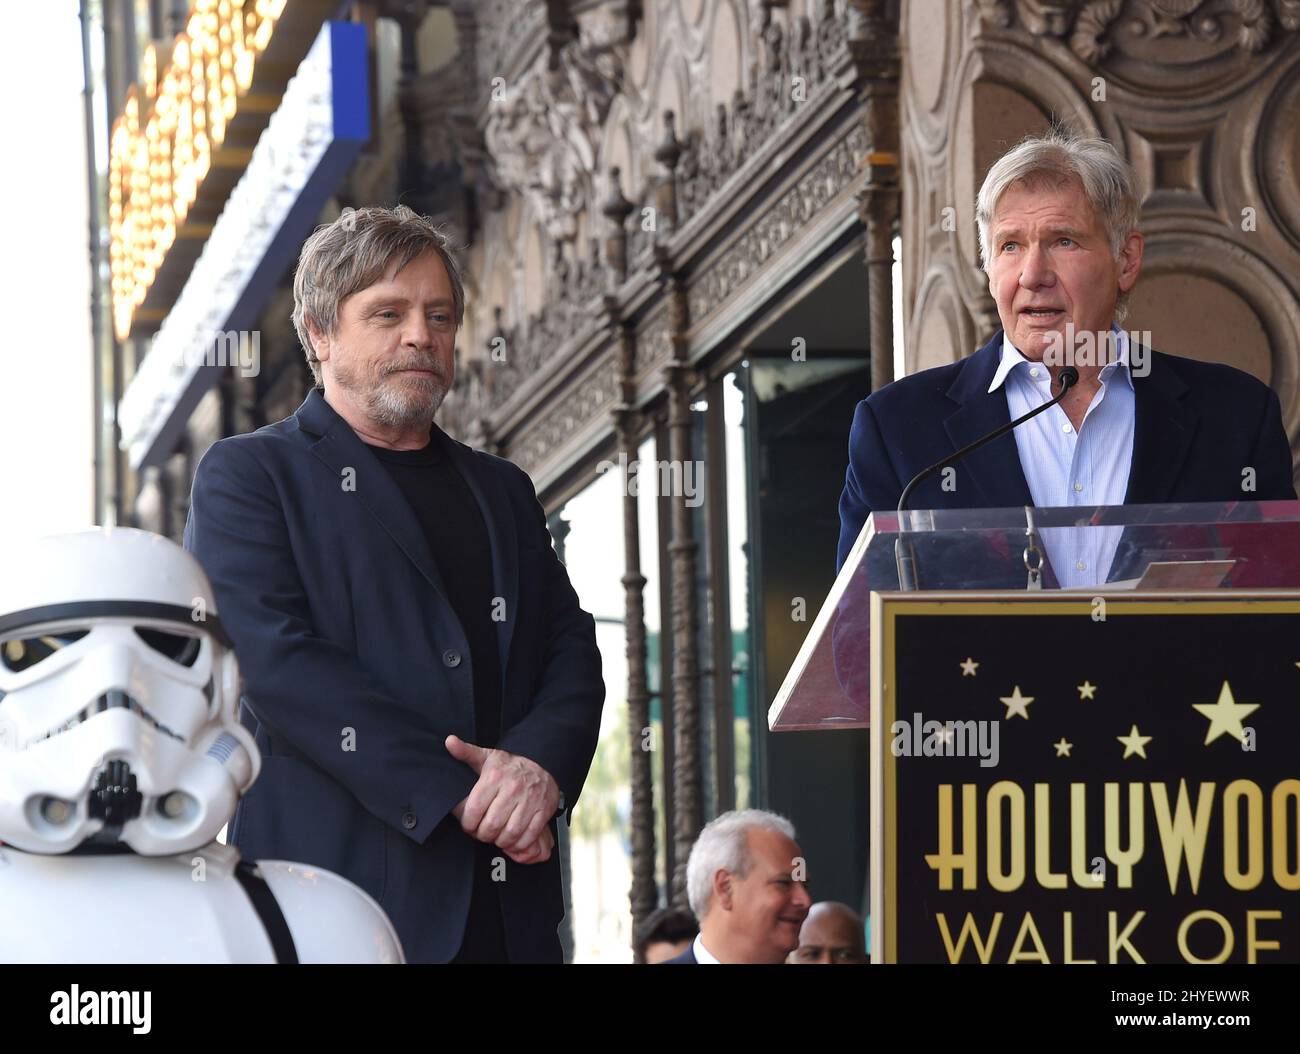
(1017, 703)
(1134, 743)
(1225, 716)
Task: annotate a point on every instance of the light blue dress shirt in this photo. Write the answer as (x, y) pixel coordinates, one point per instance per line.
(1064, 467)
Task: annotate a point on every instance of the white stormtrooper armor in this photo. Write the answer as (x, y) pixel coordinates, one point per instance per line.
(122, 758)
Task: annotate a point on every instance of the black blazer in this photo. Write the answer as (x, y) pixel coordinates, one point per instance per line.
(1197, 426)
(687, 958)
(356, 669)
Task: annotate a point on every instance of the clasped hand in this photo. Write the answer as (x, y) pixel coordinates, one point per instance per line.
(512, 803)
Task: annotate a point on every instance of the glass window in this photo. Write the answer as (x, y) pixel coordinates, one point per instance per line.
(591, 526)
(738, 585)
(647, 511)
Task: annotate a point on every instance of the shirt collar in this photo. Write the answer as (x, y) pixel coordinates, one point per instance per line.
(1012, 357)
(702, 954)
(1121, 363)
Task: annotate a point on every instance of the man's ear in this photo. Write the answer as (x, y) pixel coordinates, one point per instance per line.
(1130, 261)
(723, 893)
(320, 341)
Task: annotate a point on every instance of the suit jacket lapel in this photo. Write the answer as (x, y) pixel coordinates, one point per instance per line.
(1162, 434)
(339, 447)
(494, 503)
(994, 469)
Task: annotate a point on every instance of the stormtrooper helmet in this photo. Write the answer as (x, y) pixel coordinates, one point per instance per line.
(119, 697)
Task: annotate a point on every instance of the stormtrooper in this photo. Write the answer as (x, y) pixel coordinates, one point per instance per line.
(122, 758)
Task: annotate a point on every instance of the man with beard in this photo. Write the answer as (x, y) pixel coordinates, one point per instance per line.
(422, 683)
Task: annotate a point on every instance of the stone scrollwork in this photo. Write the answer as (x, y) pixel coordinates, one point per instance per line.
(790, 68)
(1088, 26)
(583, 403)
(542, 134)
(786, 216)
(1089, 40)
(500, 25)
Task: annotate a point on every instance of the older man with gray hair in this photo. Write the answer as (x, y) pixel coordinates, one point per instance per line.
(745, 880)
(423, 685)
(1061, 252)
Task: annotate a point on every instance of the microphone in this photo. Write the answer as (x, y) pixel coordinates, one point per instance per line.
(904, 557)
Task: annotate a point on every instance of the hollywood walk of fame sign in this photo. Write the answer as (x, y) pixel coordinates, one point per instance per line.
(1061, 783)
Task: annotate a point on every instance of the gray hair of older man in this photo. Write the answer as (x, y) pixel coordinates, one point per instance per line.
(723, 845)
(1058, 156)
(355, 251)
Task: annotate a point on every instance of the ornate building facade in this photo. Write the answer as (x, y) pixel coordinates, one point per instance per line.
(679, 221)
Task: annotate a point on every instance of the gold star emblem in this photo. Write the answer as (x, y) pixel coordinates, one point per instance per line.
(1134, 743)
(1225, 716)
(968, 667)
(1017, 703)
(1087, 690)
(1063, 748)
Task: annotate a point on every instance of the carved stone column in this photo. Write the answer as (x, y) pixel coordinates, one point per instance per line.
(873, 43)
(668, 153)
(644, 893)
(616, 210)
(409, 14)
(687, 789)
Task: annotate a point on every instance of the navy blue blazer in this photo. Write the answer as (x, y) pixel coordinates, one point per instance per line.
(1197, 426)
(356, 669)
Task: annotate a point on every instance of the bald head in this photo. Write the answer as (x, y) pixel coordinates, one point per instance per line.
(832, 934)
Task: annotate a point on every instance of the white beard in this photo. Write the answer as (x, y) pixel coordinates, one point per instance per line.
(394, 402)
(387, 405)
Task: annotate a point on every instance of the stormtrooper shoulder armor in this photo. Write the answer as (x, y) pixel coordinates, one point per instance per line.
(193, 907)
(331, 920)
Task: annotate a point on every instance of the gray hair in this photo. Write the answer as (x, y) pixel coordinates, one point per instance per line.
(355, 251)
(1106, 177)
(723, 845)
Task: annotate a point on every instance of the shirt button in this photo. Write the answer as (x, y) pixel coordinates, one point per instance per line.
(1034, 372)
(1078, 486)
(451, 659)
(409, 820)
(1066, 428)
(1081, 566)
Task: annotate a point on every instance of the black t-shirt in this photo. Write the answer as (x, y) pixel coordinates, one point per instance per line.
(458, 539)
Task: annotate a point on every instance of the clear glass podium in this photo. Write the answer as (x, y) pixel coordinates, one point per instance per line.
(1095, 551)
